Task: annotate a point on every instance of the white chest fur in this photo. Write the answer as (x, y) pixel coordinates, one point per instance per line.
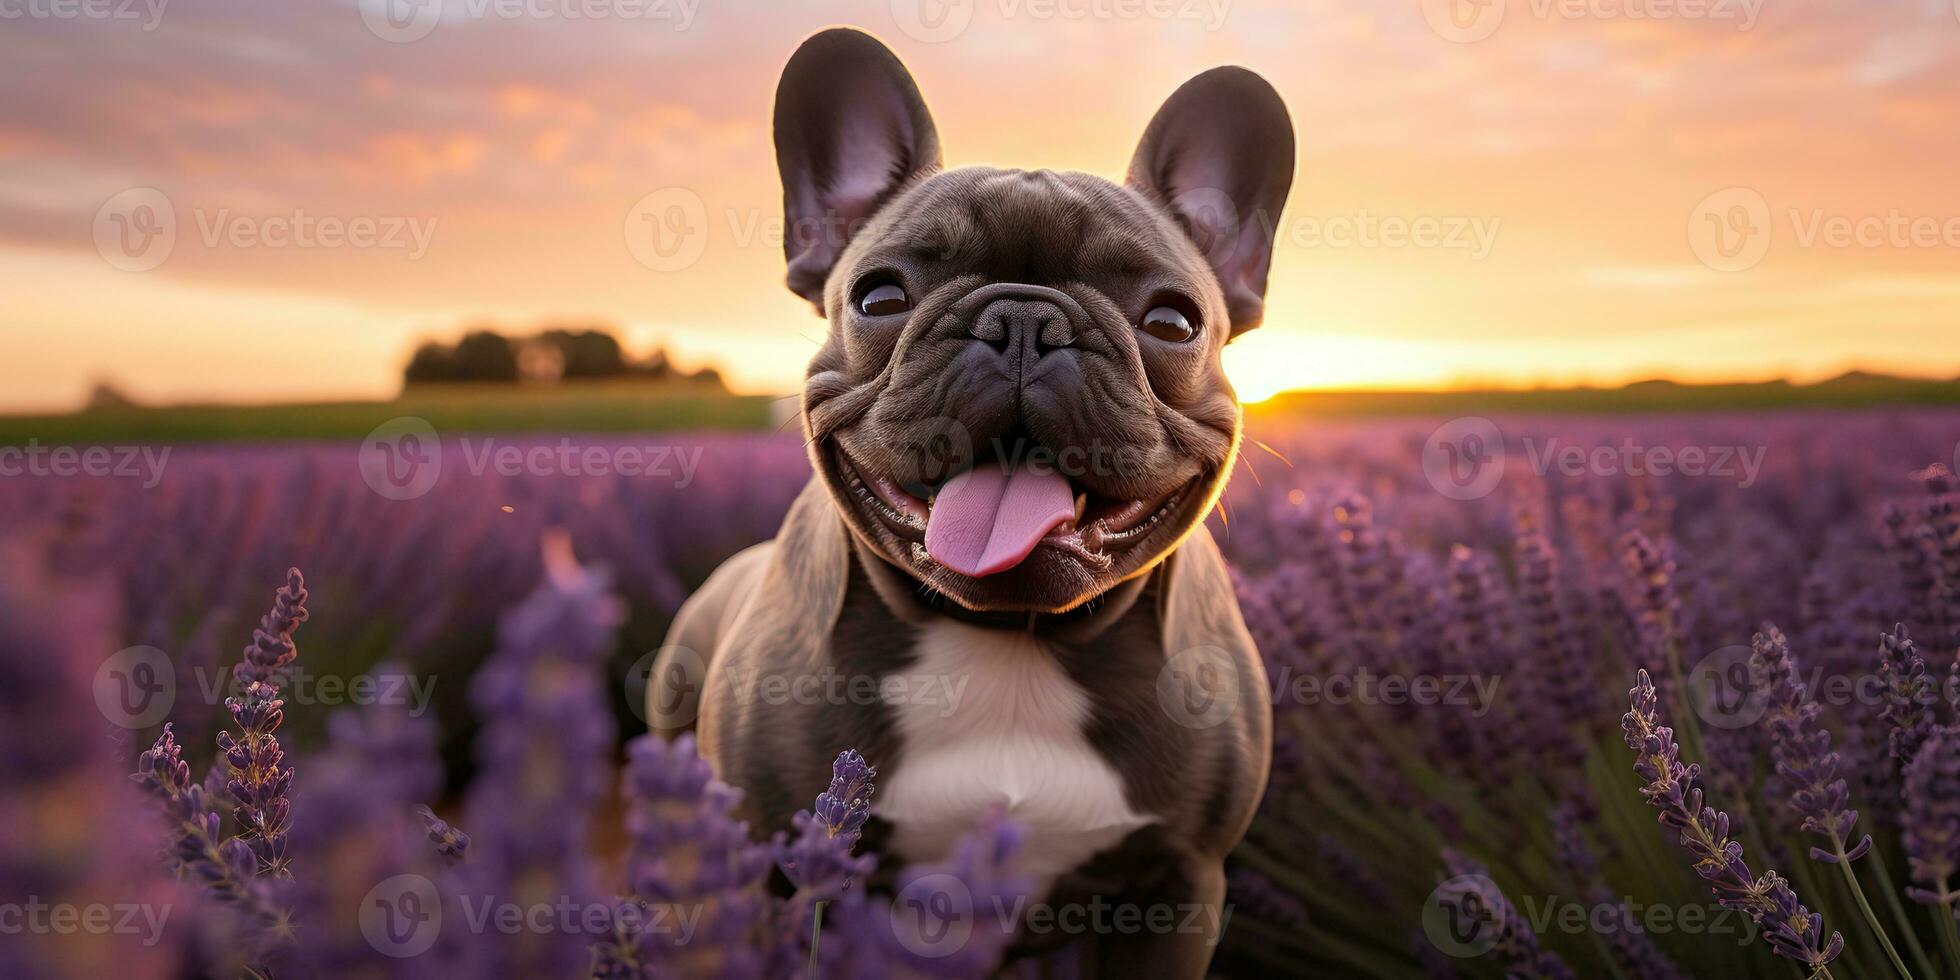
(1008, 733)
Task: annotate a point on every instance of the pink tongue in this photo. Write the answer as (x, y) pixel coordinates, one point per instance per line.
(989, 518)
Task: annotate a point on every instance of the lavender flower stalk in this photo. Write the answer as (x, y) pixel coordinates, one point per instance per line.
(1801, 749)
(818, 861)
(1909, 693)
(544, 757)
(1808, 769)
(1932, 830)
(226, 867)
(260, 780)
(1793, 931)
(687, 851)
(1515, 942)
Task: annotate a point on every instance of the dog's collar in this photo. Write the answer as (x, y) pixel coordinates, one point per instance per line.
(910, 602)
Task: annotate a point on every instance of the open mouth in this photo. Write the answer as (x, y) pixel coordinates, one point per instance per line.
(989, 519)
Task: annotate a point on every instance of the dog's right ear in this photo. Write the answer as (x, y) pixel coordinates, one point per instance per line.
(851, 129)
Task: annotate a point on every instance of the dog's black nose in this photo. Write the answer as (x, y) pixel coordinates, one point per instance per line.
(1012, 323)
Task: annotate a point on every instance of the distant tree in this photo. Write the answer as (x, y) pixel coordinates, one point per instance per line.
(485, 355)
(656, 367)
(107, 396)
(432, 363)
(587, 353)
(555, 354)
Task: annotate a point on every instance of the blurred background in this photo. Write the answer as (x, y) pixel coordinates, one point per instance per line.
(209, 202)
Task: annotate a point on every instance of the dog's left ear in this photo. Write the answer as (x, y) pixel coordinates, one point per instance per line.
(851, 129)
(1219, 154)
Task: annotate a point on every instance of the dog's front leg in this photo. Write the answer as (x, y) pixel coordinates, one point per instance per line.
(1182, 918)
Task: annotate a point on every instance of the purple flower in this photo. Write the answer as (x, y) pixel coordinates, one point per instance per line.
(260, 781)
(450, 842)
(1909, 693)
(1474, 897)
(544, 760)
(356, 830)
(198, 848)
(271, 652)
(1652, 597)
(818, 859)
(1703, 831)
(954, 919)
(1932, 817)
(1564, 675)
(1806, 768)
(687, 853)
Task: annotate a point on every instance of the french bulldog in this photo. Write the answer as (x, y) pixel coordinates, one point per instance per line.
(998, 585)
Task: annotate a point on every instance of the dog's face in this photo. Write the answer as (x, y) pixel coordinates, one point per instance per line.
(1020, 402)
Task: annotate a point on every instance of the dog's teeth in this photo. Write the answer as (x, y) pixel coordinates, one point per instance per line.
(1081, 504)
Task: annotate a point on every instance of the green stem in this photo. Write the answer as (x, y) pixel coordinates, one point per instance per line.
(1690, 723)
(1899, 916)
(816, 933)
(1606, 955)
(1949, 932)
(1851, 880)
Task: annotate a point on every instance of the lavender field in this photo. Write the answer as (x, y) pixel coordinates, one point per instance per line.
(1608, 696)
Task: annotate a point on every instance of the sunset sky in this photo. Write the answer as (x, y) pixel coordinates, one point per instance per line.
(1697, 189)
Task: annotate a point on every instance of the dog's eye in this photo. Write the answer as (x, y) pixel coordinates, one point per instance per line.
(884, 300)
(1168, 323)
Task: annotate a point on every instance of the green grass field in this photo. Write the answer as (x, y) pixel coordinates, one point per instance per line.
(1855, 390)
(592, 407)
(640, 407)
